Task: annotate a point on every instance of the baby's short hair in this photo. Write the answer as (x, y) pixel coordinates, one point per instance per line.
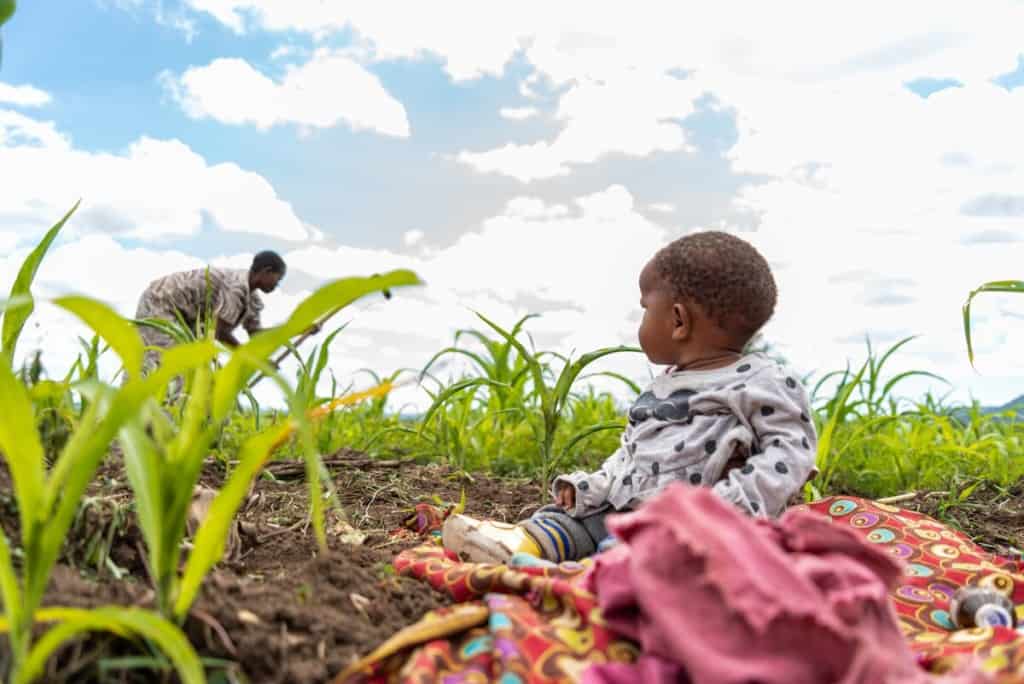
(725, 276)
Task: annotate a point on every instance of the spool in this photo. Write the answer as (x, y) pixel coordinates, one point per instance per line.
(977, 607)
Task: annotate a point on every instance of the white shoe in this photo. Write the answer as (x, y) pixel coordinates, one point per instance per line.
(486, 541)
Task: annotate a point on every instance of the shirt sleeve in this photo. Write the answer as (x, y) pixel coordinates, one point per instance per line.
(785, 446)
(592, 489)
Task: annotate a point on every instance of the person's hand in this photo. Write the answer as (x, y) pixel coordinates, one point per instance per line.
(565, 496)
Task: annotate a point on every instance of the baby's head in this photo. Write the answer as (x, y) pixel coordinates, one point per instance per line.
(702, 294)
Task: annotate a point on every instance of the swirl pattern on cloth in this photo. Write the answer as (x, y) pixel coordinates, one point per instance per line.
(541, 624)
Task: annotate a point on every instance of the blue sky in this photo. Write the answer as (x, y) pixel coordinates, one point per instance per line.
(573, 141)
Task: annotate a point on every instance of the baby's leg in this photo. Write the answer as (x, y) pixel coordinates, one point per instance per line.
(551, 534)
(562, 537)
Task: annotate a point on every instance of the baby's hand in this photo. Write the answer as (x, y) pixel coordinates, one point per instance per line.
(565, 496)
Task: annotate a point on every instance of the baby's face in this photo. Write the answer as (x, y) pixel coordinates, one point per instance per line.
(659, 318)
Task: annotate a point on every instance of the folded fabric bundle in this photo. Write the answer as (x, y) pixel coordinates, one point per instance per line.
(712, 596)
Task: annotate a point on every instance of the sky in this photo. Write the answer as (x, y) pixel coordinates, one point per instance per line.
(530, 157)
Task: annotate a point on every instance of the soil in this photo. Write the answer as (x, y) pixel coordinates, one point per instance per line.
(992, 516)
(276, 611)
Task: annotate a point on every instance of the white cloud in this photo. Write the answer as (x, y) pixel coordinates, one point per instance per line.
(582, 266)
(412, 238)
(155, 189)
(662, 207)
(519, 113)
(328, 89)
(394, 30)
(847, 170)
(23, 95)
(631, 113)
(739, 53)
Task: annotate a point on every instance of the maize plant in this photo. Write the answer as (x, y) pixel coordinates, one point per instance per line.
(48, 498)
(545, 404)
(163, 463)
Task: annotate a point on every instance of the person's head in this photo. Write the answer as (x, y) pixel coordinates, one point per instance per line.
(704, 293)
(268, 269)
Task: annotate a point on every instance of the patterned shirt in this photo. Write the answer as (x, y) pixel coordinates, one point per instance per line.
(187, 293)
(744, 430)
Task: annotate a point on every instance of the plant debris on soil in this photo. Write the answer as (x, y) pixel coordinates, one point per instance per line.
(276, 611)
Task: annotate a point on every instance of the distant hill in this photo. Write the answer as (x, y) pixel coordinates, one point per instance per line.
(1016, 406)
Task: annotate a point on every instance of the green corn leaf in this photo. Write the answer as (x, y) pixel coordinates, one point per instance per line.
(10, 592)
(332, 297)
(909, 374)
(487, 368)
(450, 392)
(582, 435)
(398, 429)
(208, 545)
(176, 361)
(572, 371)
(119, 333)
(968, 490)
(838, 412)
(145, 472)
(315, 472)
(176, 330)
(323, 358)
(21, 447)
(893, 349)
(120, 621)
(186, 454)
(1012, 286)
(536, 368)
(633, 387)
(14, 320)
(967, 329)
(83, 453)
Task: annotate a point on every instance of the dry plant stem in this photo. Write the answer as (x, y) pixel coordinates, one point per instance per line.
(899, 498)
(217, 628)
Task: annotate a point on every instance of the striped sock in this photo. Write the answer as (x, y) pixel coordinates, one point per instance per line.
(554, 541)
(560, 536)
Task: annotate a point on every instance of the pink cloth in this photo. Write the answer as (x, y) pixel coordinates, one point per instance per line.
(713, 596)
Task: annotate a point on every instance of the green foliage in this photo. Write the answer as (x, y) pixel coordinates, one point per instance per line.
(14, 319)
(875, 443)
(164, 467)
(1014, 286)
(7, 8)
(521, 383)
(48, 499)
(163, 456)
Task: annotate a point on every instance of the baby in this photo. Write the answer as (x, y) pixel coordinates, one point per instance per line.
(738, 423)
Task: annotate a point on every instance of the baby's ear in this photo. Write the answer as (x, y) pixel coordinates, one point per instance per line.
(683, 321)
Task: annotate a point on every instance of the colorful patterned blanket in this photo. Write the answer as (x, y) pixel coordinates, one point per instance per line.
(537, 624)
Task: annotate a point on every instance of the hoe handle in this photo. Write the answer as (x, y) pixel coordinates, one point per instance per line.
(303, 337)
(299, 340)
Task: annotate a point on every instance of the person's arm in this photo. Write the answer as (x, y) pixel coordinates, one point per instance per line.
(226, 335)
(252, 326)
(589, 490)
